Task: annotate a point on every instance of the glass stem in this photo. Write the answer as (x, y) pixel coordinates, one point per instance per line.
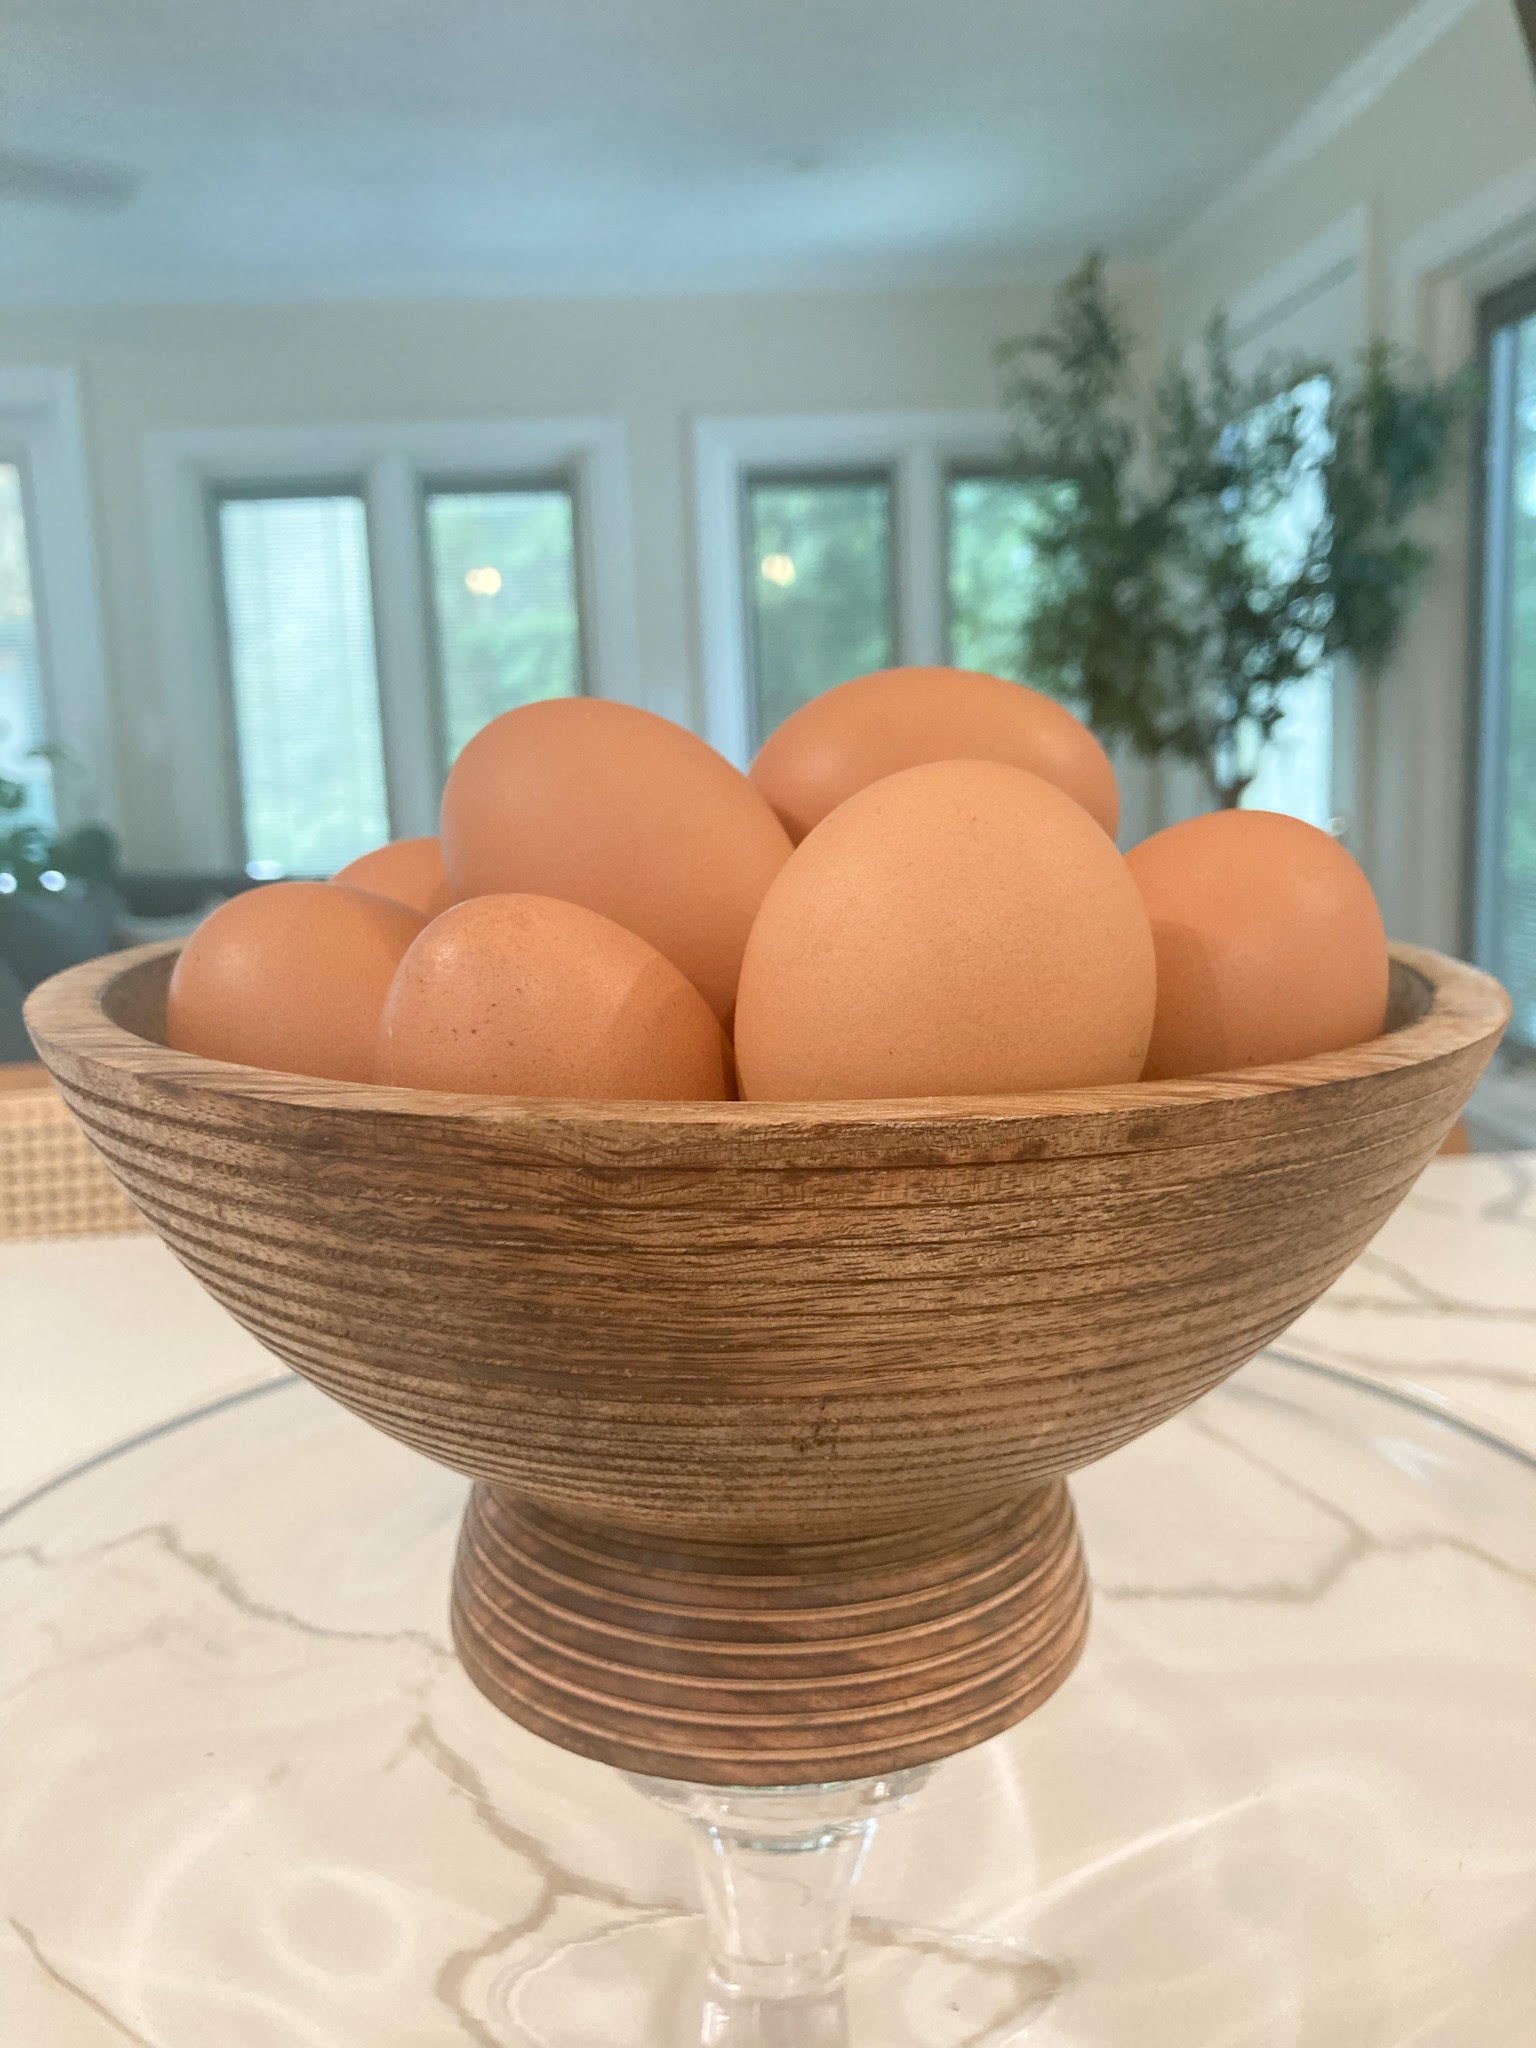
(777, 1867)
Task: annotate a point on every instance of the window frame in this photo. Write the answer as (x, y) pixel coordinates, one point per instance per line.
(918, 449)
(391, 465)
(41, 432)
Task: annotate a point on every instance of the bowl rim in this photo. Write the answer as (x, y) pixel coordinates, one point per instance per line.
(69, 1020)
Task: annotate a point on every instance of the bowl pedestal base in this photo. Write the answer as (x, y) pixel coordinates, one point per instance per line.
(755, 1664)
(780, 1697)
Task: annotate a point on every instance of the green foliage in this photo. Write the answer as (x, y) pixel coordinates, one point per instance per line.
(1099, 634)
(821, 611)
(832, 619)
(521, 641)
(1222, 536)
(1394, 432)
(994, 564)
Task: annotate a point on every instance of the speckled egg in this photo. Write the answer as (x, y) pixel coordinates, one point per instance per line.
(963, 928)
(408, 871)
(1269, 943)
(291, 976)
(526, 995)
(899, 718)
(624, 813)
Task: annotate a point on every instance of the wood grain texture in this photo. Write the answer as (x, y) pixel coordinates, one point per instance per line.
(745, 1664)
(742, 1325)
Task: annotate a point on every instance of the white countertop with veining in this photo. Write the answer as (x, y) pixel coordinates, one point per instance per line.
(1444, 1301)
(248, 1800)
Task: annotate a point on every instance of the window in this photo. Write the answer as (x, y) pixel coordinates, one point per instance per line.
(1505, 864)
(1296, 769)
(298, 618)
(818, 573)
(23, 728)
(832, 545)
(994, 571)
(505, 611)
(370, 597)
(53, 690)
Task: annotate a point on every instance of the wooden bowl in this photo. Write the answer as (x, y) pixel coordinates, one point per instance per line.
(769, 1406)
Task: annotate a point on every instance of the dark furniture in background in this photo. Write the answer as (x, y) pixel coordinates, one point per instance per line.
(42, 931)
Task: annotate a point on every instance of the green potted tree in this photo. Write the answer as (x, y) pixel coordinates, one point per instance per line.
(1181, 598)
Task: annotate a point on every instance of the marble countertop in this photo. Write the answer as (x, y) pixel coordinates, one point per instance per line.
(248, 1800)
(1444, 1301)
(106, 1337)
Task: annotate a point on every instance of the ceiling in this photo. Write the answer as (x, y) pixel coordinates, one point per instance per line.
(223, 149)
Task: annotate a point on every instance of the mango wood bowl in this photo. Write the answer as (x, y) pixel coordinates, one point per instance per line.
(769, 1407)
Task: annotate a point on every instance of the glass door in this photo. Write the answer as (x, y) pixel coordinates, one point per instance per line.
(1504, 865)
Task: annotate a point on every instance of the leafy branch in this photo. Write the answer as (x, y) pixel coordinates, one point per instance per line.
(1216, 540)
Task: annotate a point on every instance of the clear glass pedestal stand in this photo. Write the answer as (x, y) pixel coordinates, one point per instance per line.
(777, 1866)
(251, 1799)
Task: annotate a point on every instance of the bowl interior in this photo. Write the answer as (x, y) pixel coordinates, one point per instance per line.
(134, 1000)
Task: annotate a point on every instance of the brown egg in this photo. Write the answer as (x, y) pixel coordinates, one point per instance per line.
(614, 808)
(1269, 943)
(899, 717)
(408, 871)
(292, 977)
(524, 995)
(963, 928)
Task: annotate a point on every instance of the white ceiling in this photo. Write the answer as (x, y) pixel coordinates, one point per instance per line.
(346, 148)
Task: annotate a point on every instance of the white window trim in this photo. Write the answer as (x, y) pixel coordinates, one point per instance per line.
(40, 427)
(1441, 270)
(917, 447)
(183, 467)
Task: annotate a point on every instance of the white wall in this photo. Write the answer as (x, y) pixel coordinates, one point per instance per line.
(655, 363)
(1407, 192)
